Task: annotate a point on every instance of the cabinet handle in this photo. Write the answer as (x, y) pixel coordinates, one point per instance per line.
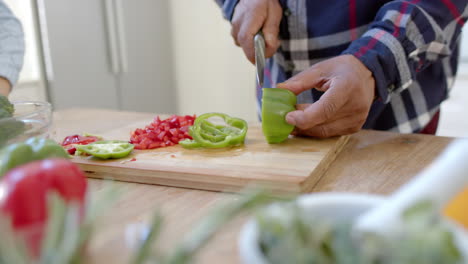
(112, 36)
(121, 35)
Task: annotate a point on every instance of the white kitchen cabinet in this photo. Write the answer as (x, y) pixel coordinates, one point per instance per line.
(109, 54)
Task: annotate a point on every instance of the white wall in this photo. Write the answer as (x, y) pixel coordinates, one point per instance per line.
(464, 46)
(212, 74)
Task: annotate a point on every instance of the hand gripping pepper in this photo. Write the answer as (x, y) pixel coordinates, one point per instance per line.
(30, 150)
(276, 103)
(107, 149)
(208, 135)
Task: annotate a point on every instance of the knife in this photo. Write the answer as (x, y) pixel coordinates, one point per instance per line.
(259, 45)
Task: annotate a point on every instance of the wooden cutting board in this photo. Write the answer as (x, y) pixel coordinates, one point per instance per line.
(293, 166)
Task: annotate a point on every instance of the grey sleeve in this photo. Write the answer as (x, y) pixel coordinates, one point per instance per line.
(11, 44)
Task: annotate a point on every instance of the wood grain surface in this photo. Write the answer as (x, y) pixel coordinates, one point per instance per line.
(295, 165)
(371, 162)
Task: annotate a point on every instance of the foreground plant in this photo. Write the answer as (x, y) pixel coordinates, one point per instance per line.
(64, 236)
(204, 230)
(68, 230)
(10, 127)
(291, 235)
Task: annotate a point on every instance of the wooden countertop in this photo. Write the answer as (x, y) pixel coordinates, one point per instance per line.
(371, 162)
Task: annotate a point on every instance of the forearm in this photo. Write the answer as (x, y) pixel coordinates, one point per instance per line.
(5, 87)
(406, 38)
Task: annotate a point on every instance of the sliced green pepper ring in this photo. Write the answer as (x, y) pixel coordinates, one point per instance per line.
(208, 135)
(107, 149)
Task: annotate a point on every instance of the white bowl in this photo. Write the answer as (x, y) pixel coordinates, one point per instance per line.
(332, 207)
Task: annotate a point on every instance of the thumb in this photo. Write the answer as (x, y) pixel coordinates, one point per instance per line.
(294, 117)
(303, 81)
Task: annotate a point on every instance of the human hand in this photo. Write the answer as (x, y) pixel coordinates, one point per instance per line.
(5, 87)
(249, 17)
(343, 109)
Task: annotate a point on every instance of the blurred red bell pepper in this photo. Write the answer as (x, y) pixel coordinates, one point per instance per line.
(23, 195)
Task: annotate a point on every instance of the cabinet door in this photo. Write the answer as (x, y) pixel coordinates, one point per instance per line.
(79, 56)
(147, 83)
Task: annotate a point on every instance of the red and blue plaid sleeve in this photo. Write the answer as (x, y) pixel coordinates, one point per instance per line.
(227, 7)
(406, 37)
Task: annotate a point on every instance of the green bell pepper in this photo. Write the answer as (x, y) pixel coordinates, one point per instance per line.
(107, 149)
(46, 148)
(276, 103)
(30, 150)
(6, 107)
(9, 126)
(208, 135)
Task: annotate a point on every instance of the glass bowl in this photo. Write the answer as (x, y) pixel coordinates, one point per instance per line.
(31, 119)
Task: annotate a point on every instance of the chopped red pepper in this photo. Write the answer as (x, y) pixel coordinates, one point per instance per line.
(70, 142)
(162, 133)
(71, 149)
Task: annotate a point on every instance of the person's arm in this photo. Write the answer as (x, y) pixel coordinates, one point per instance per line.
(405, 37)
(11, 49)
(5, 87)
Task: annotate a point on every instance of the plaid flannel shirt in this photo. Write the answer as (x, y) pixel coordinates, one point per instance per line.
(411, 47)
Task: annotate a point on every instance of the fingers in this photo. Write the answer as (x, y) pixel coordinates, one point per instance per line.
(251, 16)
(271, 28)
(348, 125)
(302, 106)
(236, 22)
(234, 32)
(321, 111)
(249, 28)
(305, 80)
(343, 108)
(339, 115)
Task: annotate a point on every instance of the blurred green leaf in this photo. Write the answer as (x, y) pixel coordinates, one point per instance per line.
(6, 107)
(144, 251)
(289, 235)
(12, 248)
(221, 215)
(66, 232)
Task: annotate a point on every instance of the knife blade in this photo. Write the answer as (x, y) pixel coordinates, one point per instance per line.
(259, 45)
